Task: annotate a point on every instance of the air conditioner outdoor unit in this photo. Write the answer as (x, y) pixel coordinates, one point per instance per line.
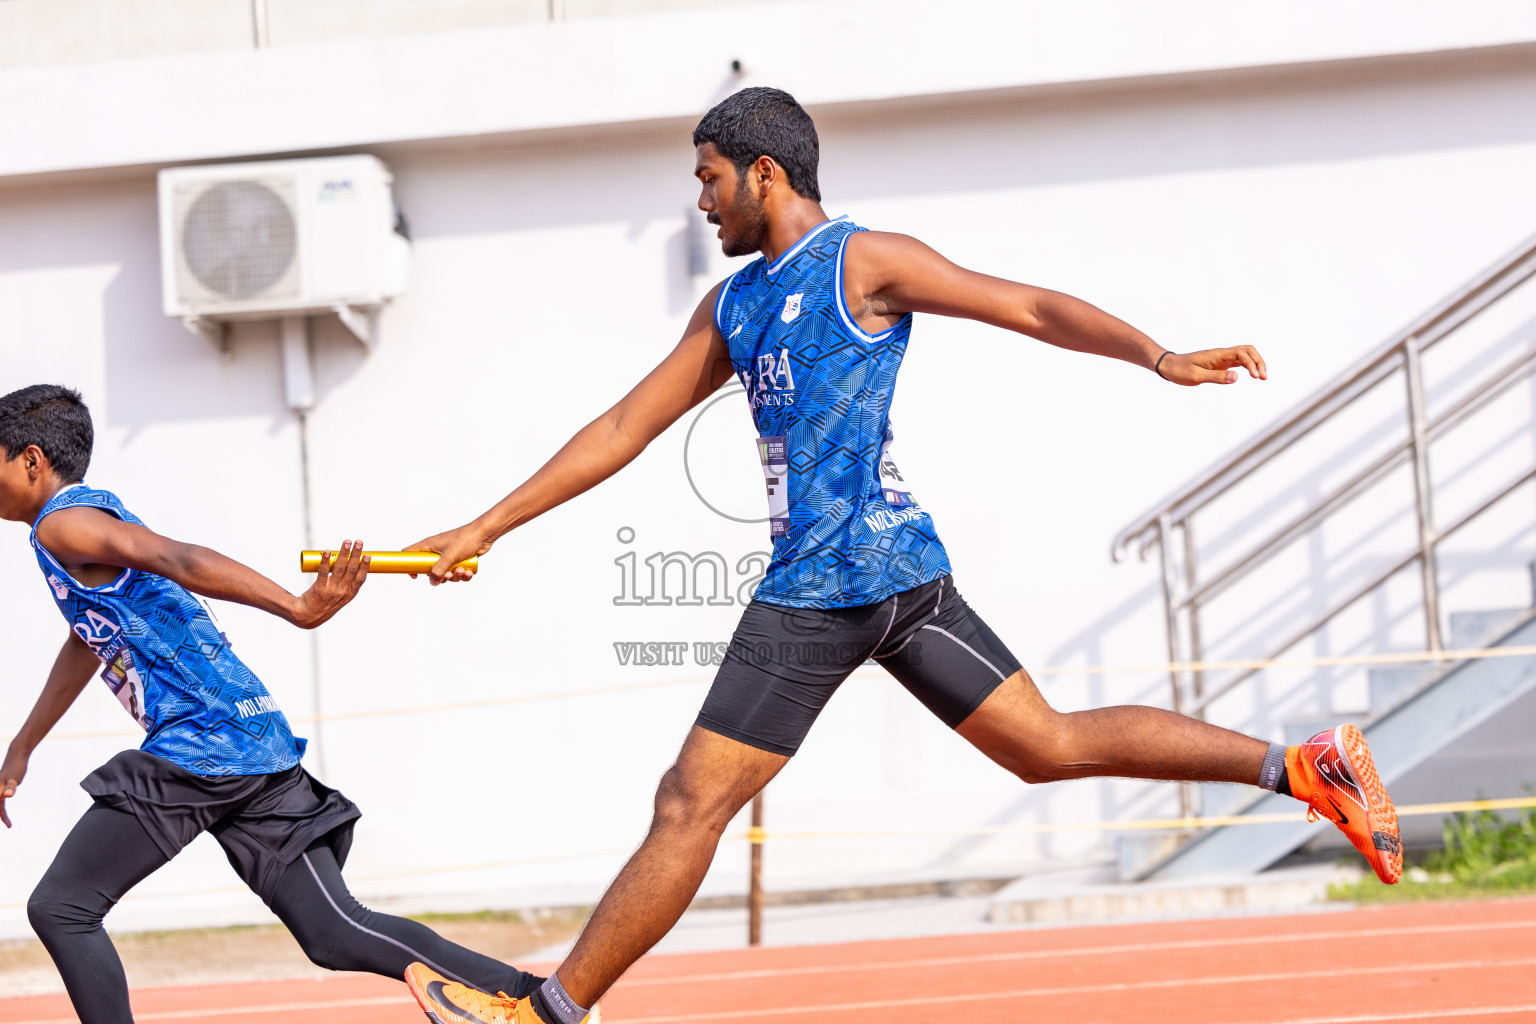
(280, 238)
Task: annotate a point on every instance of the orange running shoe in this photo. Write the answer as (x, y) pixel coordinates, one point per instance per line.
(1334, 775)
(448, 1002)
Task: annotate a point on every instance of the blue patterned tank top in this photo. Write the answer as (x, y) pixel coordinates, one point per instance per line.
(169, 664)
(846, 530)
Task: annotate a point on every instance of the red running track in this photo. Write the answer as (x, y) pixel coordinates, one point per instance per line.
(1455, 963)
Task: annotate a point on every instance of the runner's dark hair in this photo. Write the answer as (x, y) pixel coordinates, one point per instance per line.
(56, 420)
(767, 122)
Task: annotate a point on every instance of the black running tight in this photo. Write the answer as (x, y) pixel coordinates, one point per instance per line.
(108, 853)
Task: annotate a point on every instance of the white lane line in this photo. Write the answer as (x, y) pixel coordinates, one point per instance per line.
(1113, 950)
(1371, 1018)
(1073, 990)
(1053, 954)
(341, 1004)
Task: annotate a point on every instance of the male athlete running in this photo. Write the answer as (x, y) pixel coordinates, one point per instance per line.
(218, 755)
(816, 329)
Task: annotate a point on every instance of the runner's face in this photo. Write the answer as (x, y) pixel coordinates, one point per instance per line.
(729, 203)
(16, 486)
(9, 484)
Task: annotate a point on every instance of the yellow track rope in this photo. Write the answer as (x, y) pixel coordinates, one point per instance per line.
(1407, 658)
(760, 836)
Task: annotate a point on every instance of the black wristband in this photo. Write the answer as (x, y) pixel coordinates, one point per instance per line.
(1157, 366)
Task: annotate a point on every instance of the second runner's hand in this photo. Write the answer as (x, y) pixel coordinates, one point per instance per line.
(454, 546)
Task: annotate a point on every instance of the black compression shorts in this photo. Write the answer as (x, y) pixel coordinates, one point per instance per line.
(263, 822)
(784, 664)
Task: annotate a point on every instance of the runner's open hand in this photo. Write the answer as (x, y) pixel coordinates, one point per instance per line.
(1213, 366)
(337, 582)
(455, 546)
(11, 773)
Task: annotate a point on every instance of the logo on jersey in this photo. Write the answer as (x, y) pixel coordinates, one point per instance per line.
(253, 706)
(59, 587)
(791, 307)
(888, 519)
(771, 381)
(100, 633)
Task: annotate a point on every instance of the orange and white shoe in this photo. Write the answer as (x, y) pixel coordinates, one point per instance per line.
(448, 1002)
(1333, 774)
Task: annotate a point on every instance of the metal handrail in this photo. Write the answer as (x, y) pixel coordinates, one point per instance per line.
(1168, 525)
(1499, 382)
(1381, 576)
(1492, 284)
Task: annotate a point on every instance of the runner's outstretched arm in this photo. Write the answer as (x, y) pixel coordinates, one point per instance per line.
(887, 275)
(71, 671)
(695, 368)
(90, 537)
(80, 537)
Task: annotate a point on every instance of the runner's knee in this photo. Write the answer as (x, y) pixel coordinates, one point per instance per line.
(1031, 766)
(1036, 771)
(329, 941)
(329, 925)
(1041, 754)
(327, 949)
(692, 803)
(55, 909)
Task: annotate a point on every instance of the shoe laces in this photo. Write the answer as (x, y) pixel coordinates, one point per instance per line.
(1321, 807)
(484, 1002)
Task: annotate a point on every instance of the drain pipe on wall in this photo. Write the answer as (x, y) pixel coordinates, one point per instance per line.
(299, 390)
(259, 24)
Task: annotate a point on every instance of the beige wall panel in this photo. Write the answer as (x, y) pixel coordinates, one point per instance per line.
(611, 8)
(292, 22)
(35, 33)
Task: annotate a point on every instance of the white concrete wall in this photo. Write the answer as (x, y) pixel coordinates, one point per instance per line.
(43, 33)
(1309, 212)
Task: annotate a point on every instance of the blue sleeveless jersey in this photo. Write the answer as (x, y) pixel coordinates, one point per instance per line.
(846, 530)
(169, 664)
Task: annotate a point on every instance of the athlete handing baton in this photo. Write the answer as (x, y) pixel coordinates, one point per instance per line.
(816, 329)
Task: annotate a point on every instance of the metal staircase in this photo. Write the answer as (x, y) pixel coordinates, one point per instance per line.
(1369, 459)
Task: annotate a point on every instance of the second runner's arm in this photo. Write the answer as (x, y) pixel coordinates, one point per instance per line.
(71, 671)
(695, 368)
(898, 274)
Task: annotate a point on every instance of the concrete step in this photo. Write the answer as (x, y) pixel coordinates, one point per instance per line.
(1140, 852)
(1220, 798)
(1477, 628)
(1300, 732)
(1388, 685)
(1404, 735)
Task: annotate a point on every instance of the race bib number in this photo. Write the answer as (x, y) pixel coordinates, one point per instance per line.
(773, 453)
(123, 679)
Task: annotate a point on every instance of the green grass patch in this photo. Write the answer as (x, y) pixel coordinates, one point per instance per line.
(1486, 855)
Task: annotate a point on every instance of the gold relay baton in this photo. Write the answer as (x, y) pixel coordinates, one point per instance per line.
(388, 561)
